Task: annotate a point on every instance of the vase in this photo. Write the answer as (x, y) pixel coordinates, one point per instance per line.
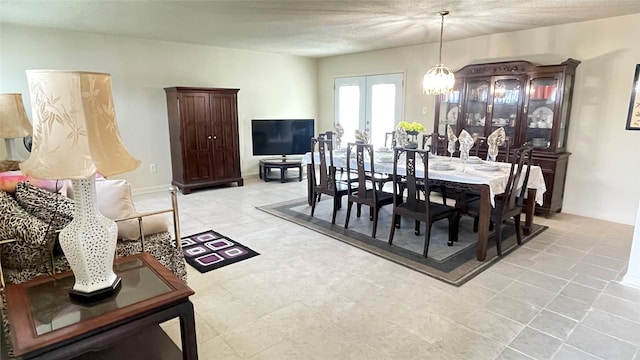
(412, 141)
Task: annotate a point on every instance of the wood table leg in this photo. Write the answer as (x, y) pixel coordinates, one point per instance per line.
(529, 208)
(483, 223)
(188, 332)
(310, 183)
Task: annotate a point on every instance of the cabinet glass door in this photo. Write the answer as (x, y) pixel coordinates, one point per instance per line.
(541, 111)
(450, 109)
(564, 118)
(475, 109)
(506, 104)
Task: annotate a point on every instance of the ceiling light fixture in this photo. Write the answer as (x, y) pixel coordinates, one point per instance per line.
(439, 79)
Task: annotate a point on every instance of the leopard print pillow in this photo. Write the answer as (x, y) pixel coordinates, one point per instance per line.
(52, 208)
(9, 165)
(31, 250)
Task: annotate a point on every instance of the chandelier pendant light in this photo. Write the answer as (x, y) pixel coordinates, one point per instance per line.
(439, 79)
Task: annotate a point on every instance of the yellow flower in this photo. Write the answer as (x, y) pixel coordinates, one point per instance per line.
(411, 128)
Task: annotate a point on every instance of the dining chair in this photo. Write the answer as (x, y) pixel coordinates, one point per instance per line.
(437, 143)
(366, 192)
(481, 144)
(326, 182)
(418, 208)
(509, 204)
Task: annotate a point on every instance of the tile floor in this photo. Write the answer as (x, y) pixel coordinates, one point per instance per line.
(311, 297)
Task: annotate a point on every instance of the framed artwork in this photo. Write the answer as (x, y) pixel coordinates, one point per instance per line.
(633, 119)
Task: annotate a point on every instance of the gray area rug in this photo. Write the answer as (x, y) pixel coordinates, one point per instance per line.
(452, 264)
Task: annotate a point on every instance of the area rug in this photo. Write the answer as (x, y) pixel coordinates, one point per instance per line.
(452, 264)
(210, 250)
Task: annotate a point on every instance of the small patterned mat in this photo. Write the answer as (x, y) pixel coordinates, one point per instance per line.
(210, 250)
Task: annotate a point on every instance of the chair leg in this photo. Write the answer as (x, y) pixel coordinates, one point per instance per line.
(313, 203)
(417, 228)
(358, 210)
(498, 237)
(335, 209)
(516, 219)
(346, 220)
(443, 191)
(397, 221)
(475, 224)
(371, 211)
(375, 222)
(454, 225)
(394, 224)
(427, 238)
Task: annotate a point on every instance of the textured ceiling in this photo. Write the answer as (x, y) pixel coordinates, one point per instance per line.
(307, 28)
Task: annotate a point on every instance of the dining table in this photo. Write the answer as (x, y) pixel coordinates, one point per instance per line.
(487, 179)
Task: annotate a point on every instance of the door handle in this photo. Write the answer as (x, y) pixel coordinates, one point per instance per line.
(209, 137)
(214, 137)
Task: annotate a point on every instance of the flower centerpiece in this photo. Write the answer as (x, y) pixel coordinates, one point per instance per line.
(412, 130)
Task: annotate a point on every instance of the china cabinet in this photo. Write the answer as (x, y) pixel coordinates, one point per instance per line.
(531, 102)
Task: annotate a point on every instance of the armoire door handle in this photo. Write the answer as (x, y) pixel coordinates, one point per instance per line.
(209, 137)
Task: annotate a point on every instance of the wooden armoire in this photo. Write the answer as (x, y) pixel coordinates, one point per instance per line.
(203, 132)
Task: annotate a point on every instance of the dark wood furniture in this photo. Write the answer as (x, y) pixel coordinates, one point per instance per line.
(417, 207)
(480, 148)
(203, 134)
(367, 192)
(46, 324)
(531, 102)
(326, 179)
(282, 164)
(509, 204)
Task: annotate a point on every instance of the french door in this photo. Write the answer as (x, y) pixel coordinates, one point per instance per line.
(369, 103)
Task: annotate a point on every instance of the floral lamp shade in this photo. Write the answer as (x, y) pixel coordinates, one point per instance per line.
(14, 122)
(75, 131)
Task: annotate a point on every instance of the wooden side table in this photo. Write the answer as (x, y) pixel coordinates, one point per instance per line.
(265, 165)
(46, 324)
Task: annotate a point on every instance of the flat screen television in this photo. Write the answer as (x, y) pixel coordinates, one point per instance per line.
(282, 136)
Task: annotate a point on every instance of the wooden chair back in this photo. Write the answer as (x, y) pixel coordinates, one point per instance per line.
(438, 144)
(362, 154)
(326, 181)
(526, 152)
(510, 196)
(503, 150)
(414, 159)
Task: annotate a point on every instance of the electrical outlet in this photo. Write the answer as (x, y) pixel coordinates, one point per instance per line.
(153, 168)
(424, 109)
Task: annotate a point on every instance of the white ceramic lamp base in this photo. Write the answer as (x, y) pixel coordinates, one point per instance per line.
(89, 243)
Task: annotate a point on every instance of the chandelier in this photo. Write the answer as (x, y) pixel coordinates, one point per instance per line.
(439, 79)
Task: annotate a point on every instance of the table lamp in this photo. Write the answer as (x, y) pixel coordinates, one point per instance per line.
(14, 122)
(76, 136)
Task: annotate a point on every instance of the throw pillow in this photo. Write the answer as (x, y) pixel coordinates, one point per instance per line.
(49, 207)
(115, 202)
(10, 179)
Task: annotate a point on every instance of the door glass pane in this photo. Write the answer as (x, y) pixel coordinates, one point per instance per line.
(506, 99)
(383, 108)
(349, 111)
(542, 97)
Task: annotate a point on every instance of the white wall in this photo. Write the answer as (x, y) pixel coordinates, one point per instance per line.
(602, 180)
(271, 85)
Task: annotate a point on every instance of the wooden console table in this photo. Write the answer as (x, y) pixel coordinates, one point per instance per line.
(46, 324)
(282, 164)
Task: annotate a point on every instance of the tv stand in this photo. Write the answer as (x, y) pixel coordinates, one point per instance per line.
(283, 163)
